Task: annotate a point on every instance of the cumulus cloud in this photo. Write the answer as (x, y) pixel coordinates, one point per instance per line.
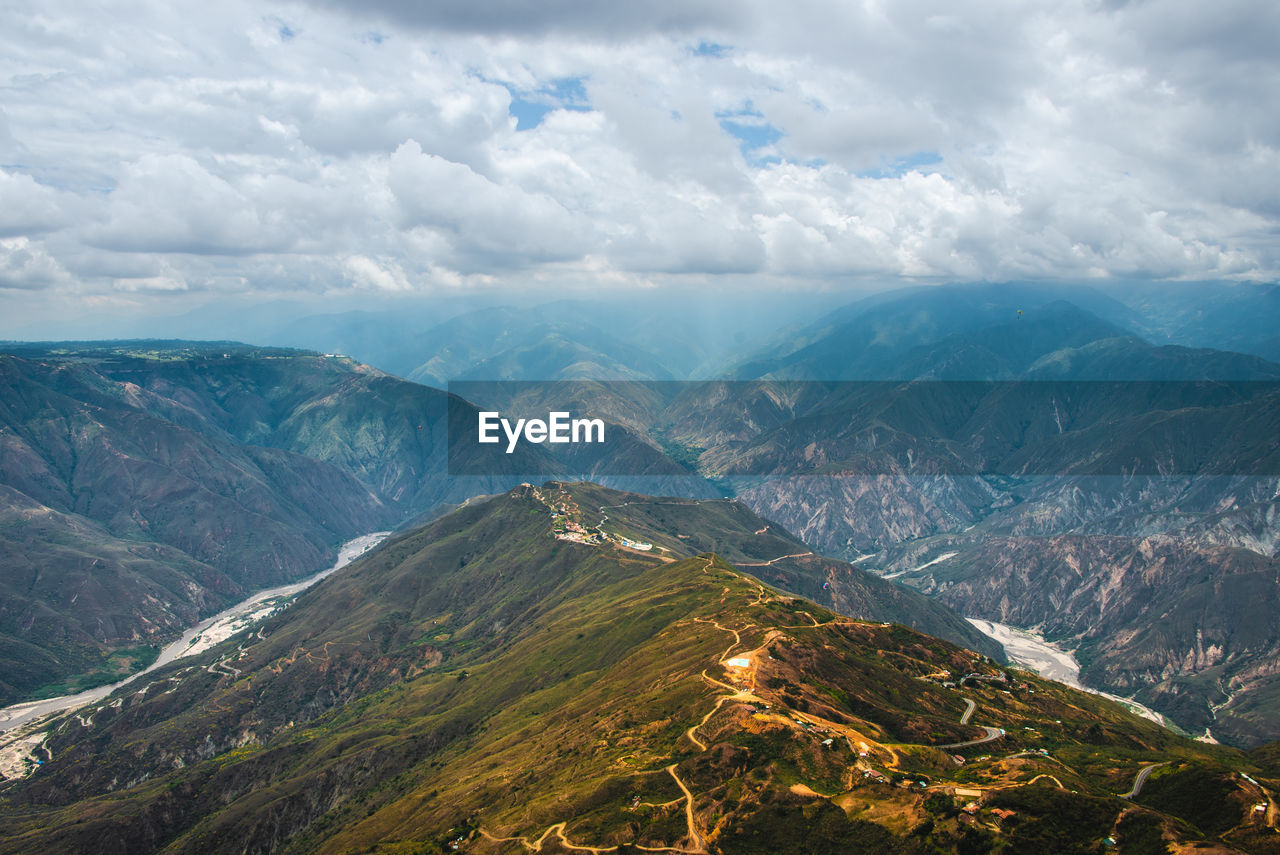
(397, 146)
(366, 273)
(28, 208)
(151, 283)
(25, 265)
(170, 203)
(485, 223)
(10, 149)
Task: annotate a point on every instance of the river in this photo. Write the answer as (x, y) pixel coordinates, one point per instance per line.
(199, 638)
(1056, 663)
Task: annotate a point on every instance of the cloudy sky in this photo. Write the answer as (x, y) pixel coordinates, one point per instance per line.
(159, 152)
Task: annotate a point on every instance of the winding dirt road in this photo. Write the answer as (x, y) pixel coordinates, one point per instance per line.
(992, 734)
(699, 844)
(771, 562)
(1141, 778)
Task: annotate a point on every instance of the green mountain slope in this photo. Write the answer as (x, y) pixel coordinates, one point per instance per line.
(123, 526)
(769, 552)
(484, 685)
(70, 593)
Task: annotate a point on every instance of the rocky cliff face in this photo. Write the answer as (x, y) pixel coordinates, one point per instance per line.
(1166, 587)
(856, 516)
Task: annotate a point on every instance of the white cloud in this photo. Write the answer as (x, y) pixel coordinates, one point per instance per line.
(25, 265)
(366, 273)
(28, 208)
(172, 204)
(151, 283)
(323, 146)
(483, 223)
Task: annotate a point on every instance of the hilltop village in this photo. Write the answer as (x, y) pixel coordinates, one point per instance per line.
(566, 523)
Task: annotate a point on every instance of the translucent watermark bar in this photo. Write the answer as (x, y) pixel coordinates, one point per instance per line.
(718, 429)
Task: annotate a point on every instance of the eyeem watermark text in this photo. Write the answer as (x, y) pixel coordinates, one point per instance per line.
(559, 427)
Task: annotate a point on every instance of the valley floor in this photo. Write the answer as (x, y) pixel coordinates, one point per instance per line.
(1051, 661)
(22, 726)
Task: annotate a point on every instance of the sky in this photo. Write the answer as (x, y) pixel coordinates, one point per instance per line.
(160, 156)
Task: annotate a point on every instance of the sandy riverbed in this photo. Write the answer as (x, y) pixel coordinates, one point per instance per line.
(1049, 660)
(199, 638)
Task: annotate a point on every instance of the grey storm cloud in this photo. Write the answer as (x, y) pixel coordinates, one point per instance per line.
(539, 17)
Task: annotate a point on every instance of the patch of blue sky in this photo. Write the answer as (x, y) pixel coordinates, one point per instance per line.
(711, 49)
(530, 108)
(528, 114)
(568, 90)
(751, 135)
(756, 137)
(284, 32)
(918, 161)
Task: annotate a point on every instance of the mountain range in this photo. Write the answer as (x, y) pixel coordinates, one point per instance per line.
(1100, 468)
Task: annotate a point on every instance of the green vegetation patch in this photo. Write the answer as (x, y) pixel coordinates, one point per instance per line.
(1141, 833)
(1050, 820)
(117, 665)
(783, 824)
(1198, 793)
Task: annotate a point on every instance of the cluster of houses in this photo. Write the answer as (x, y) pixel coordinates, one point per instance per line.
(565, 526)
(948, 681)
(567, 529)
